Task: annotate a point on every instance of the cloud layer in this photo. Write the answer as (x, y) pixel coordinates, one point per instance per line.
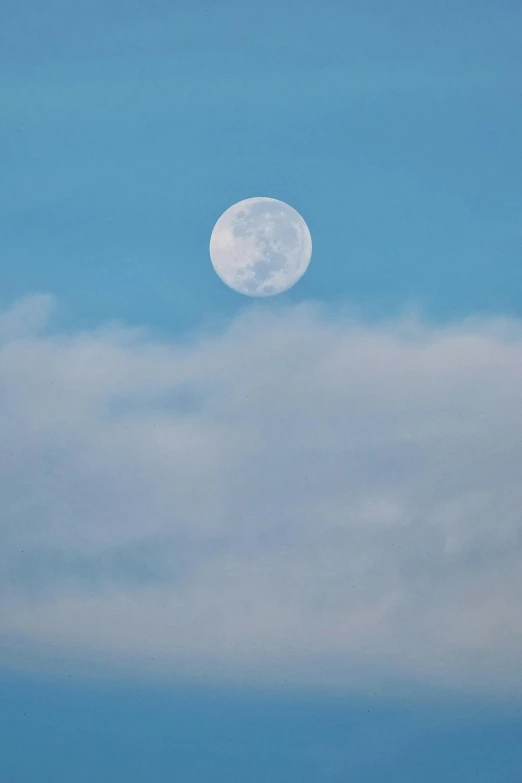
(299, 496)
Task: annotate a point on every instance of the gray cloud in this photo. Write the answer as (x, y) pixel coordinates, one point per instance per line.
(299, 496)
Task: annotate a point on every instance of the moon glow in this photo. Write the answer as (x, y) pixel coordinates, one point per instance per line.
(260, 247)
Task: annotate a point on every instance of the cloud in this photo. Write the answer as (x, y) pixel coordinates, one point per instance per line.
(298, 496)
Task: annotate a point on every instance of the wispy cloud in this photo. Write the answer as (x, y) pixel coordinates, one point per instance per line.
(299, 495)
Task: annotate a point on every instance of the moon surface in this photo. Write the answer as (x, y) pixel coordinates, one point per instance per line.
(260, 246)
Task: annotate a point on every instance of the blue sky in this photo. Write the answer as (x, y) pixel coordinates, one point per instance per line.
(205, 735)
(260, 540)
(129, 128)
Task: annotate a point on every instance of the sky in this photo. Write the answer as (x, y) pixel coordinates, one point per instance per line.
(262, 540)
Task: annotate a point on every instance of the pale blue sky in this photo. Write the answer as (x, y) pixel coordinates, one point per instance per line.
(394, 129)
(131, 468)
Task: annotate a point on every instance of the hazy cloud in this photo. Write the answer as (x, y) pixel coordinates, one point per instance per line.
(300, 495)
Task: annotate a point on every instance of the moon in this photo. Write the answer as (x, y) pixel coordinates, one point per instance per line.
(260, 246)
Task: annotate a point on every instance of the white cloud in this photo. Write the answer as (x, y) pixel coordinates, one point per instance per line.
(298, 496)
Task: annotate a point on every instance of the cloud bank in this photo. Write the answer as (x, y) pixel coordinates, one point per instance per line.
(298, 496)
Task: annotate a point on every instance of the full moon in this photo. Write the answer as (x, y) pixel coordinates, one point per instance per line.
(260, 246)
